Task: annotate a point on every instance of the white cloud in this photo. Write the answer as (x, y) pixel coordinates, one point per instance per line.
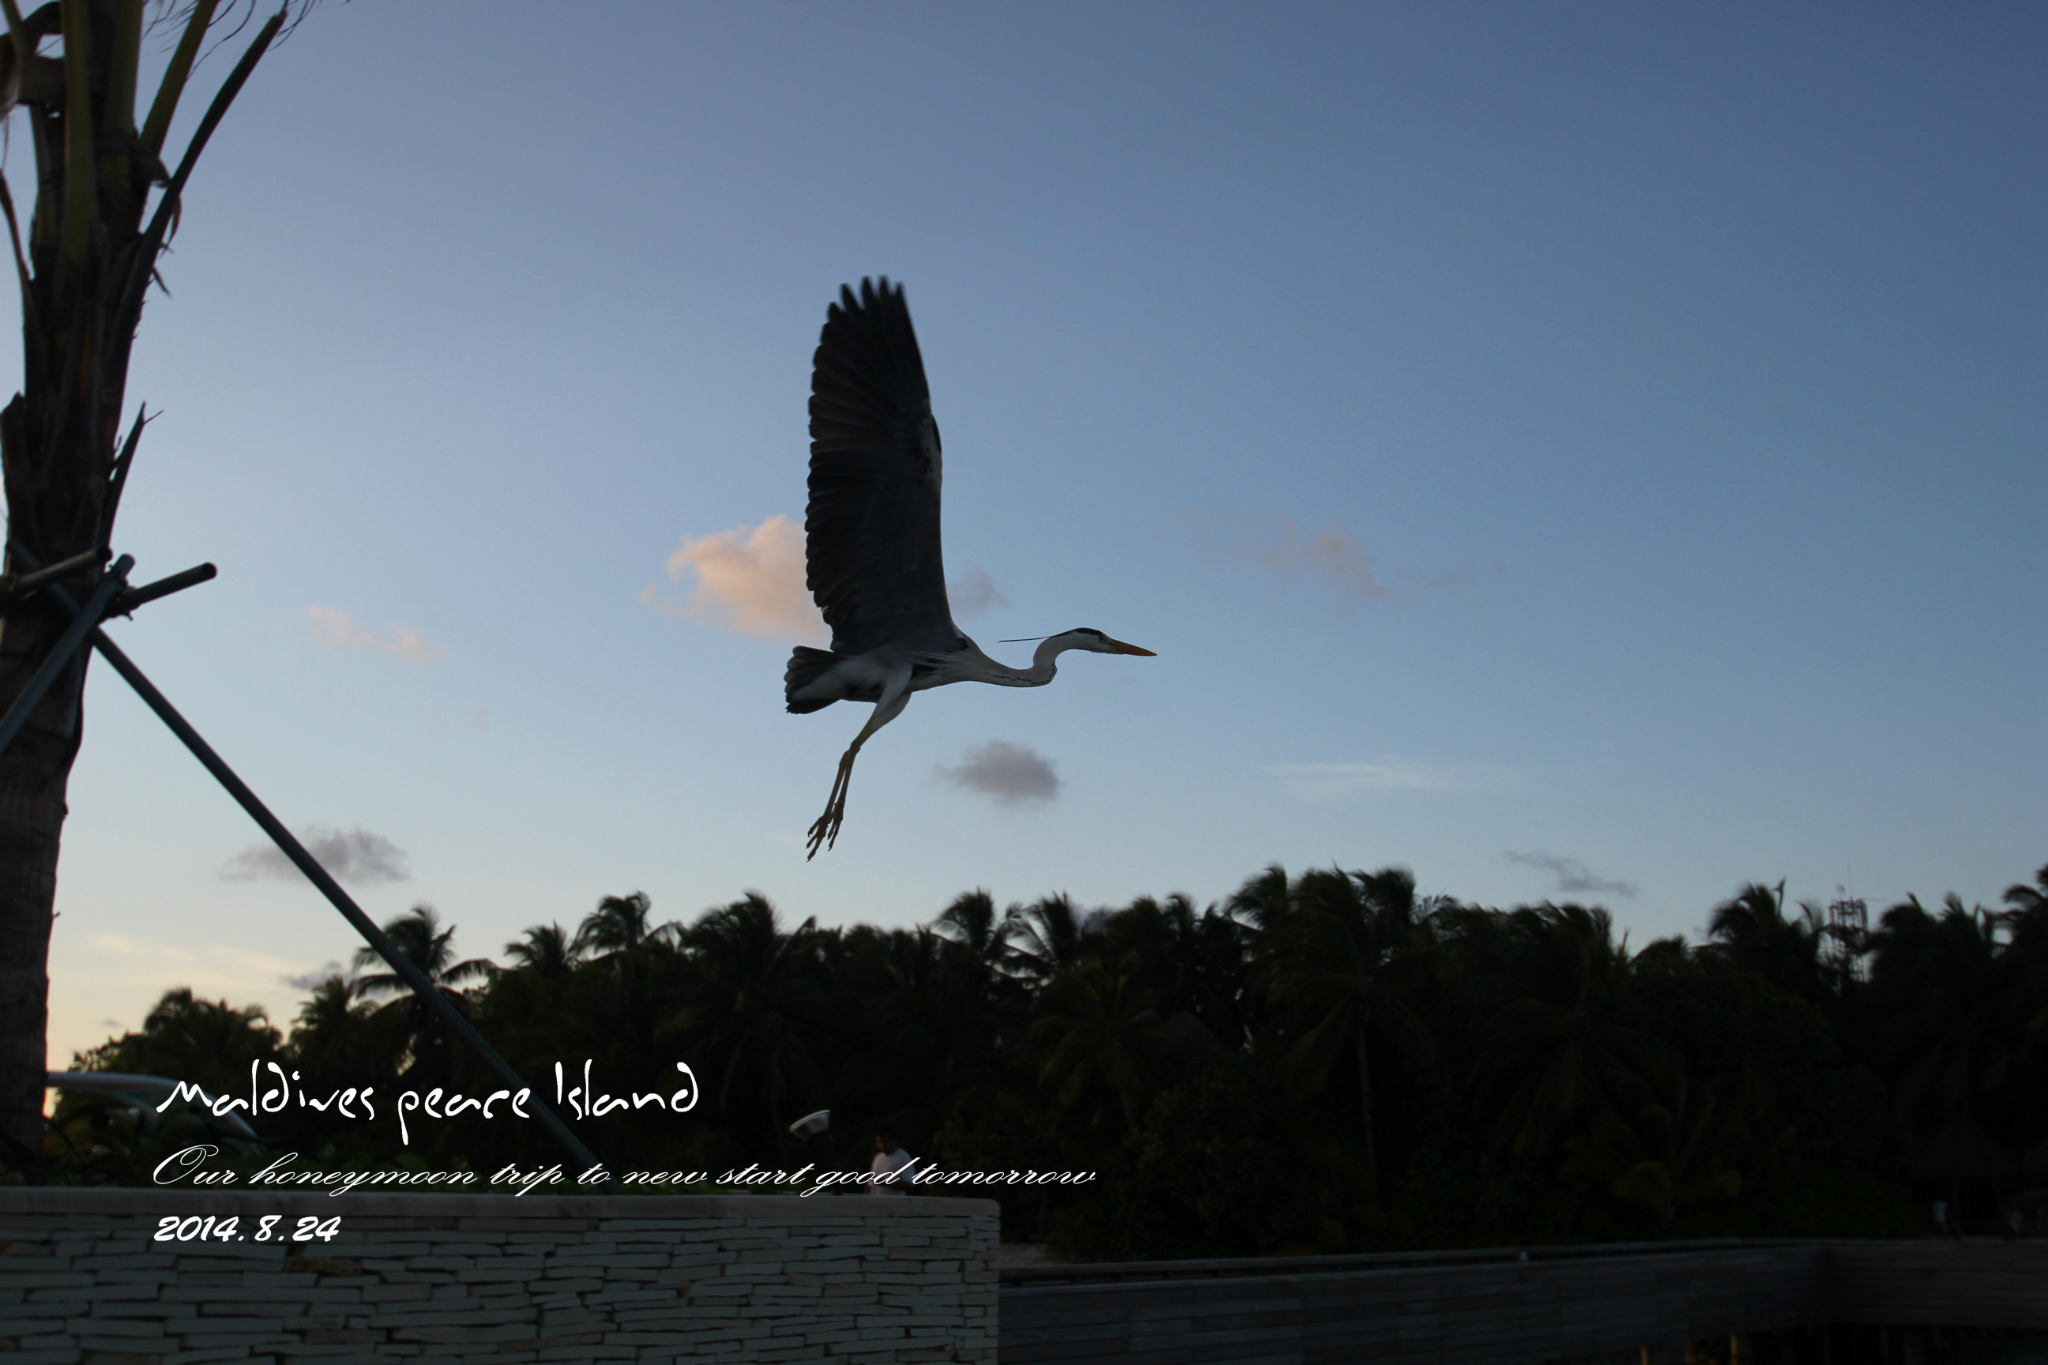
(1326, 781)
(1010, 773)
(749, 579)
(1572, 874)
(356, 855)
(334, 628)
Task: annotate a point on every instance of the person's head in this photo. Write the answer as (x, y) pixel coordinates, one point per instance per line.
(885, 1140)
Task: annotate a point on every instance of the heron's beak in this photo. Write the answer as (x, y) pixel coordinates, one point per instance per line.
(1119, 647)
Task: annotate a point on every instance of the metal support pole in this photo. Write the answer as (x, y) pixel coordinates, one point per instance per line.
(60, 654)
(16, 588)
(328, 887)
(163, 587)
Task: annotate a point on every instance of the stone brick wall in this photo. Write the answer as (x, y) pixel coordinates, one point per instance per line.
(758, 1279)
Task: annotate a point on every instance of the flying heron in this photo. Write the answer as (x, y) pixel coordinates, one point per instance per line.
(871, 533)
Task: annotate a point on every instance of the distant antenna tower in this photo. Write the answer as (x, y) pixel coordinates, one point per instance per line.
(1848, 930)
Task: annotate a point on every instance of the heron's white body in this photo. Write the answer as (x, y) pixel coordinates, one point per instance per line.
(873, 675)
(888, 675)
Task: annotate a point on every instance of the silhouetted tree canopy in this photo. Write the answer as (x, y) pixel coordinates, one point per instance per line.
(1326, 1061)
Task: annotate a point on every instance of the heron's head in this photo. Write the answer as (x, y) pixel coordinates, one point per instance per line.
(1086, 637)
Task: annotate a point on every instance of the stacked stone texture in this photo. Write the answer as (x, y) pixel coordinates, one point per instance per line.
(494, 1278)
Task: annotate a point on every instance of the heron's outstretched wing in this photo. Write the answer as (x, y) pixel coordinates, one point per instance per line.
(872, 527)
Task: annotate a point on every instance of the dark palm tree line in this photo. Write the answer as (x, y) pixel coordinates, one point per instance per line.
(1324, 1061)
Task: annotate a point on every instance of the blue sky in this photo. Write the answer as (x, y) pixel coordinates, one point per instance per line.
(1597, 439)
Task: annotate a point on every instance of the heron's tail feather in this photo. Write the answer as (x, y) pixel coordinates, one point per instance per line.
(806, 666)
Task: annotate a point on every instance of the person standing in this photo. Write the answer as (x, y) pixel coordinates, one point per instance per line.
(890, 1159)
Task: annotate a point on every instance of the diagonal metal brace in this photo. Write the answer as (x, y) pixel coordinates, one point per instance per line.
(84, 622)
(413, 977)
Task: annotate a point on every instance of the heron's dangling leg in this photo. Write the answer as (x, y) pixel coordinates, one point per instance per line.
(895, 696)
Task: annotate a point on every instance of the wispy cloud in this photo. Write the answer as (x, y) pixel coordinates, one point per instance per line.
(1009, 773)
(1274, 541)
(334, 628)
(1573, 875)
(356, 855)
(1332, 553)
(974, 592)
(1327, 781)
(749, 579)
(306, 981)
(208, 968)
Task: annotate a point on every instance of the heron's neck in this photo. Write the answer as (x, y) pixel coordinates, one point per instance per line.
(1042, 664)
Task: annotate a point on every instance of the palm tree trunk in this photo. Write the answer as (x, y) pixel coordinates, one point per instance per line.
(81, 273)
(1372, 1169)
(34, 773)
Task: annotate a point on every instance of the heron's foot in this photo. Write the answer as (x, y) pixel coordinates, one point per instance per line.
(826, 832)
